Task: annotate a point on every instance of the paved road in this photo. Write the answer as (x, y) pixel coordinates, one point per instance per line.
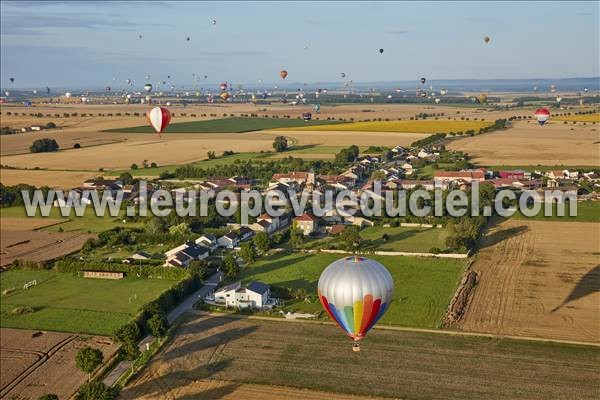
(183, 307)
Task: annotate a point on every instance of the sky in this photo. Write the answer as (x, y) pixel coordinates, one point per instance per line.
(96, 43)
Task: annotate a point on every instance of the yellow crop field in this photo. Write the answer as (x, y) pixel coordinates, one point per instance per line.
(580, 118)
(416, 126)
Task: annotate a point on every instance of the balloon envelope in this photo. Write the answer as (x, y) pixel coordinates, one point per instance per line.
(355, 292)
(283, 74)
(542, 115)
(148, 87)
(159, 118)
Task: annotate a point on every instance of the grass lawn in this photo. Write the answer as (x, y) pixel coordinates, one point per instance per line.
(226, 125)
(88, 222)
(423, 286)
(419, 240)
(419, 126)
(64, 302)
(587, 211)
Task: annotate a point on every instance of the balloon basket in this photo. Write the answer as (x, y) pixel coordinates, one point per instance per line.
(356, 347)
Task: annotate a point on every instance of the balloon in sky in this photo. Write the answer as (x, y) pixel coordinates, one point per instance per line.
(34, 91)
(214, 21)
(224, 96)
(542, 115)
(187, 39)
(68, 94)
(481, 98)
(437, 101)
(486, 39)
(128, 81)
(159, 118)
(223, 86)
(355, 292)
(317, 108)
(380, 51)
(283, 73)
(553, 88)
(47, 90)
(305, 47)
(558, 99)
(108, 88)
(148, 87)
(423, 80)
(12, 80)
(343, 75)
(443, 92)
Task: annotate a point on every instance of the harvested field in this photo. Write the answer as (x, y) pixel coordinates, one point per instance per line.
(538, 279)
(53, 179)
(37, 245)
(36, 363)
(26, 224)
(421, 126)
(208, 350)
(529, 144)
(580, 118)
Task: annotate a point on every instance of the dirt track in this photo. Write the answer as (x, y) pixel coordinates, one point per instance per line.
(538, 279)
(214, 357)
(33, 366)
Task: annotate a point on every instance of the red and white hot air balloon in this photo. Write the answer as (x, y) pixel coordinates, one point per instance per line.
(159, 118)
(542, 115)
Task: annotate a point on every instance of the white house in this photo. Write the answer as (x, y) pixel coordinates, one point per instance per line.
(229, 240)
(207, 240)
(255, 295)
(182, 256)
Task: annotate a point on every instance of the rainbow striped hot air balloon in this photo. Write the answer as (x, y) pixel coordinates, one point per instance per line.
(542, 115)
(355, 292)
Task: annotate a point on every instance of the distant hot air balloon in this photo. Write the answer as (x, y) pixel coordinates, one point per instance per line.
(437, 101)
(283, 73)
(187, 39)
(481, 98)
(553, 88)
(558, 99)
(443, 92)
(214, 21)
(224, 96)
(148, 87)
(317, 108)
(159, 118)
(223, 86)
(68, 95)
(108, 88)
(34, 91)
(305, 47)
(306, 116)
(355, 292)
(343, 75)
(140, 36)
(47, 90)
(423, 80)
(542, 115)
(486, 39)
(128, 81)
(380, 51)
(12, 80)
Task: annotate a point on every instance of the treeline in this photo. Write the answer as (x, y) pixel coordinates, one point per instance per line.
(11, 195)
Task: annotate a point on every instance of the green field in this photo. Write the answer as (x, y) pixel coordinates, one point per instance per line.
(88, 222)
(64, 302)
(226, 125)
(587, 211)
(423, 286)
(419, 240)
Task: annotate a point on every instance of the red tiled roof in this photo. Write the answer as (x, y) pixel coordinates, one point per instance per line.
(306, 217)
(459, 174)
(291, 175)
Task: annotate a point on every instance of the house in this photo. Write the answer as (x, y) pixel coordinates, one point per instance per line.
(424, 154)
(307, 223)
(101, 184)
(408, 168)
(254, 295)
(408, 184)
(294, 177)
(518, 174)
(452, 176)
(207, 240)
(183, 255)
(229, 240)
(274, 221)
(555, 174)
(245, 233)
(263, 226)
(336, 229)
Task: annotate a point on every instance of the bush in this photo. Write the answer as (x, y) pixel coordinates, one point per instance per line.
(21, 310)
(95, 391)
(49, 396)
(76, 146)
(50, 125)
(435, 250)
(44, 145)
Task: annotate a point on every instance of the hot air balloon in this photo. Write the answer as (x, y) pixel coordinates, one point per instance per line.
(437, 101)
(423, 80)
(283, 74)
(187, 39)
(306, 116)
(443, 92)
(486, 39)
(34, 91)
(159, 118)
(553, 88)
(47, 90)
(542, 115)
(7, 93)
(380, 51)
(108, 88)
(128, 81)
(305, 47)
(148, 87)
(317, 108)
(139, 37)
(343, 75)
(355, 292)
(224, 96)
(68, 95)
(481, 98)
(214, 21)
(223, 86)
(558, 99)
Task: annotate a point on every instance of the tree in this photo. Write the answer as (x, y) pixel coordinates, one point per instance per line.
(230, 266)
(43, 145)
(155, 226)
(350, 238)
(50, 125)
(262, 242)
(49, 396)
(134, 166)
(248, 253)
(88, 359)
(211, 155)
(76, 146)
(296, 238)
(95, 391)
(280, 143)
(180, 229)
(153, 165)
(158, 325)
(126, 178)
(378, 175)
(128, 336)
(198, 268)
